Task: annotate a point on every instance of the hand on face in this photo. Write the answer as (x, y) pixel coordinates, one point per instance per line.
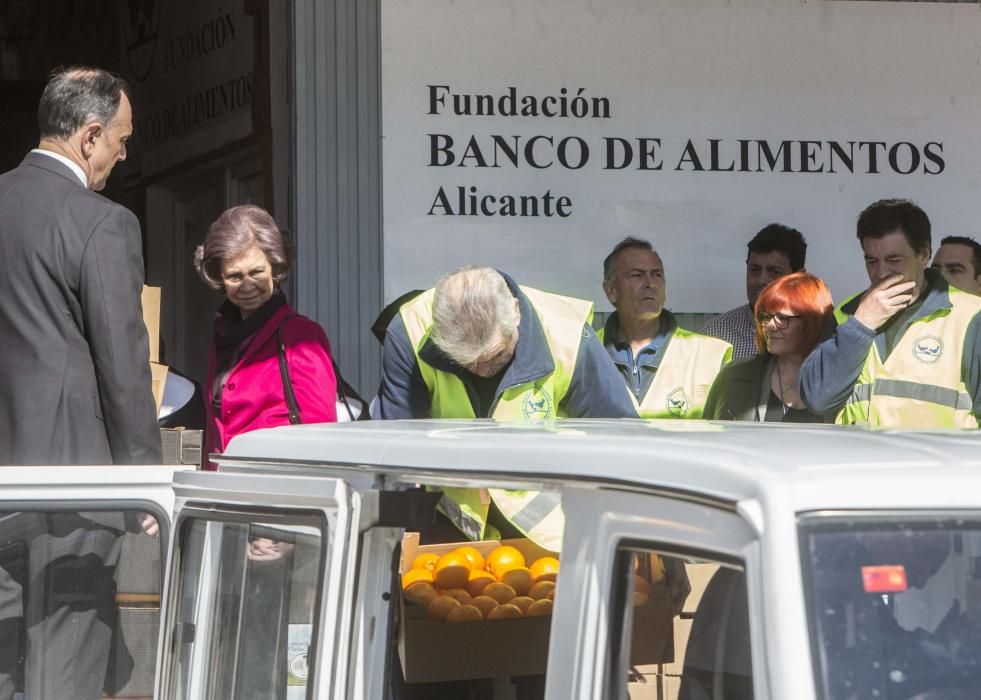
(884, 300)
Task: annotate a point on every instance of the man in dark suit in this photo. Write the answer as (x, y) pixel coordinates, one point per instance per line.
(74, 370)
(74, 382)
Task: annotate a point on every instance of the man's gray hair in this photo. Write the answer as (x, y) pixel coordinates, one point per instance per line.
(473, 308)
(76, 96)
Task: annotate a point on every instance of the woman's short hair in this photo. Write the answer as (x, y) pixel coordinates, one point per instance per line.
(807, 296)
(232, 234)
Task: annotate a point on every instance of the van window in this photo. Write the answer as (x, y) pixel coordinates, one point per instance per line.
(79, 603)
(894, 605)
(685, 628)
(247, 592)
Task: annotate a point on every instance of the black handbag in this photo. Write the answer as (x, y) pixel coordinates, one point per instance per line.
(350, 405)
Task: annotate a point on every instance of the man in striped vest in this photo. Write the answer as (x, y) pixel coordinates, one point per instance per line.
(478, 345)
(667, 370)
(907, 351)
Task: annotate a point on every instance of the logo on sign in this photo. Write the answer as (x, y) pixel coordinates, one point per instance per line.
(537, 404)
(678, 403)
(140, 26)
(928, 349)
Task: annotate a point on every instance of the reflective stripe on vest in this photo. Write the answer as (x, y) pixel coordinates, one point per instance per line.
(681, 384)
(536, 514)
(919, 385)
(562, 320)
(467, 510)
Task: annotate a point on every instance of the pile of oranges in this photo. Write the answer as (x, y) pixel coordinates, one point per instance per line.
(463, 586)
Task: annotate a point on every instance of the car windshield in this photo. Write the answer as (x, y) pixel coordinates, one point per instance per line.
(894, 605)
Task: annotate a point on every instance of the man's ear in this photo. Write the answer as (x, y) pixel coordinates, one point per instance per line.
(610, 291)
(90, 133)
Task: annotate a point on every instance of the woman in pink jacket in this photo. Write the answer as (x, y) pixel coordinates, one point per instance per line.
(246, 257)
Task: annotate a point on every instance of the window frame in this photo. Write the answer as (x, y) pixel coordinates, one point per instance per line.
(586, 638)
(241, 515)
(835, 522)
(270, 493)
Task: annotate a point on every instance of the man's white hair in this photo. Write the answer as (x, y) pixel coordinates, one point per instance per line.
(473, 310)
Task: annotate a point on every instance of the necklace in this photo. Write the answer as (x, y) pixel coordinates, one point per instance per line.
(782, 387)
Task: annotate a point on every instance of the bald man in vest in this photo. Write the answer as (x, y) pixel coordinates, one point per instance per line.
(666, 370)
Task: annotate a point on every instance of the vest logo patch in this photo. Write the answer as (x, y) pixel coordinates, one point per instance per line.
(537, 404)
(928, 349)
(678, 403)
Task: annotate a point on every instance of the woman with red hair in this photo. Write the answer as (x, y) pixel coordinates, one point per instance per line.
(791, 314)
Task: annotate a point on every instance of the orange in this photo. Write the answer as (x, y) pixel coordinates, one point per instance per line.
(474, 555)
(519, 578)
(545, 569)
(414, 575)
(541, 589)
(478, 582)
(458, 593)
(540, 608)
(503, 558)
(484, 603)
(426, 560)
(420, 593)
(504, 612)
(523, 602)
(452, 571)
(501, 592)
(465, 613)
(440, 606)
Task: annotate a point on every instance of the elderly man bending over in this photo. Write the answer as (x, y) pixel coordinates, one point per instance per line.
(480, 346)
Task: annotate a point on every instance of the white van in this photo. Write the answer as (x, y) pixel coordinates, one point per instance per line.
(795, 563)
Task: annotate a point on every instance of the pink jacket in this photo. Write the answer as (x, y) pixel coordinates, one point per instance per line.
(253, 397)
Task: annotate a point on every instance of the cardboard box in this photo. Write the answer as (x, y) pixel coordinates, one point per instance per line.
(150, 300)
(181, 446)
(432, 651)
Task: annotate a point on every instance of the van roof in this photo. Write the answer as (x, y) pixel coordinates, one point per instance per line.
(727, 461)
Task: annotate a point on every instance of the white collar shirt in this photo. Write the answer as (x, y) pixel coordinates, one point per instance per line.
(79, 173)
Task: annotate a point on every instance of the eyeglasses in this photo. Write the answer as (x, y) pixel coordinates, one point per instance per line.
(779, 320)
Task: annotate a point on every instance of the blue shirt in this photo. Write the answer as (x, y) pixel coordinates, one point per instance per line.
(638, 372)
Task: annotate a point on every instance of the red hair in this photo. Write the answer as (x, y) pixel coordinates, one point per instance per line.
(807, 296)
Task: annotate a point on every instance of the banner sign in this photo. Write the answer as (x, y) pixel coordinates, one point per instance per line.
(533, 136)
(191, 69)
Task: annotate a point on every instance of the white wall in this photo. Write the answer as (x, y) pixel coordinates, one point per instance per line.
(677, 70)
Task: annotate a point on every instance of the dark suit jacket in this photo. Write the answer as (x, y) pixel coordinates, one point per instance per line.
(74, 372)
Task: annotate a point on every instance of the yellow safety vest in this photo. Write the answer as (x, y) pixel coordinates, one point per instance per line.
(919, 385)
(538, 515)
(562, 319)
(683, 379)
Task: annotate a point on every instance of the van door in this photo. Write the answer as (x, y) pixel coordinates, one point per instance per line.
(258, 593)
(661, 598)
(82, 553)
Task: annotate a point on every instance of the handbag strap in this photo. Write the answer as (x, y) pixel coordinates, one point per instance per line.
(284, 373)
(342, 388)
